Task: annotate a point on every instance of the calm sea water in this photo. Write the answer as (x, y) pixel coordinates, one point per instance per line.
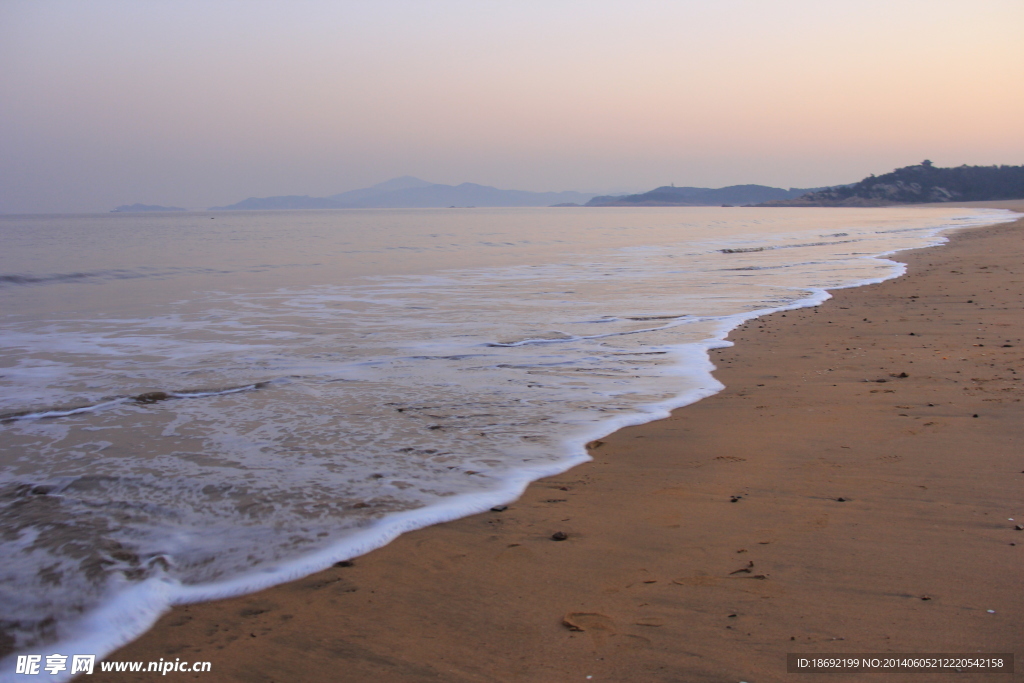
(195, 405)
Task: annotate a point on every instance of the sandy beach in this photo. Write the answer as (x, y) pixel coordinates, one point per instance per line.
(854, 489)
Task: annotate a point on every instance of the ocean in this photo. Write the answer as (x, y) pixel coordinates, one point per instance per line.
(196, 405)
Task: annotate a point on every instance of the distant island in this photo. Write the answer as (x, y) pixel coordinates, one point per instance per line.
(733, 195)
(916, 184)
(408, 192)
(922, 183)
(132, 208)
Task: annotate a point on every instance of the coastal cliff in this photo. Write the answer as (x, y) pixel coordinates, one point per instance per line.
(920, 184)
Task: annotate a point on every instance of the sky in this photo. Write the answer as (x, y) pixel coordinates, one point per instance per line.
(200, 103)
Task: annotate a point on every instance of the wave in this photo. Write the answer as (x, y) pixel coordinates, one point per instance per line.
(146, 398)
(104, 275)
(218, 486)
(746, 250)
(144, 272)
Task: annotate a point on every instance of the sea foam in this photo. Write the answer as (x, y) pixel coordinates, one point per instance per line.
(386, 401)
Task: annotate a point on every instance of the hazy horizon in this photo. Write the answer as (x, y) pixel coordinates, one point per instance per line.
(199, 104)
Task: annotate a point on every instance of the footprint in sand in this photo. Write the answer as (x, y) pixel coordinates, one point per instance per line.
(598, 626)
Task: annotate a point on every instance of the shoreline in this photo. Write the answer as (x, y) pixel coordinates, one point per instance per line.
(485, 597)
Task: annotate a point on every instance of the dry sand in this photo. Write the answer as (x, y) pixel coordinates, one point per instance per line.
(824, 502)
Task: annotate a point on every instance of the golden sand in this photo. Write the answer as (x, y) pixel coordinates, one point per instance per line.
(850, 491)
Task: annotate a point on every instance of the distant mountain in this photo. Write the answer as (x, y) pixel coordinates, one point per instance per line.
(409, 192)
(406, 182)
(921, 183)
(701, 196)
(285, 202)
(669, 194)
(131, 208)
(466, 194)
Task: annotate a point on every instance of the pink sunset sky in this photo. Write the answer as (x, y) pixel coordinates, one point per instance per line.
(197, 103)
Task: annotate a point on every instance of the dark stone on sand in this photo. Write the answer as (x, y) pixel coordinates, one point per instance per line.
(559, 536)
(1019, 527)
(152, 397)
(975, 415)
(841, 499)
(735, 499)
(903, 375)
(499, 508)
(345, 563)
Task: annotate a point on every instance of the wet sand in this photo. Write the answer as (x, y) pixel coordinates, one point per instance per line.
(850, 491)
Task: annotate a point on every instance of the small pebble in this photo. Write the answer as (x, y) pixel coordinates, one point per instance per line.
(559, 536)
(499, 508)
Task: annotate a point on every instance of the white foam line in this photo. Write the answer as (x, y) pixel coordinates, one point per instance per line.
(125, 399)
(66, 413)
(525, 342)
(223, 392)
(133, 611)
